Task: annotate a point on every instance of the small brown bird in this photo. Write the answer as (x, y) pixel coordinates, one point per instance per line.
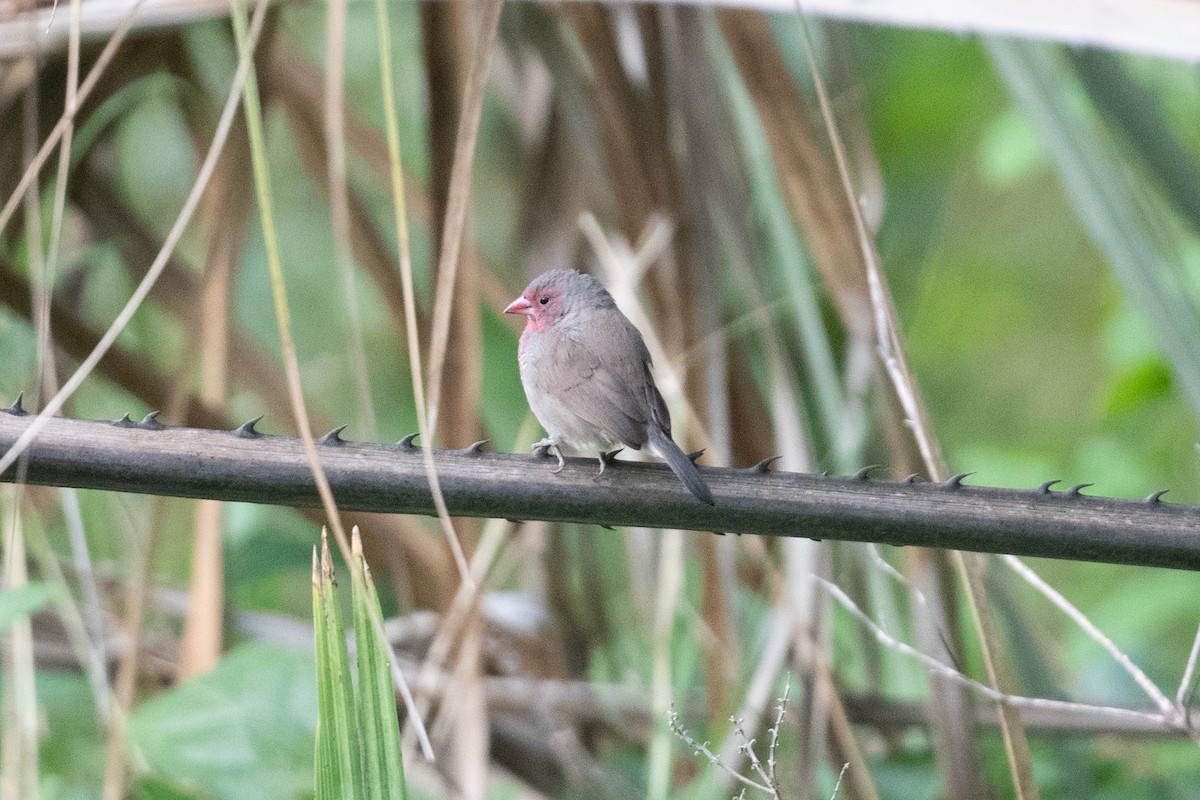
(586, 373)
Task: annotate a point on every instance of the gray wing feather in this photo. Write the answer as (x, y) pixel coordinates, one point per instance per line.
(604, 378)
(659, 414)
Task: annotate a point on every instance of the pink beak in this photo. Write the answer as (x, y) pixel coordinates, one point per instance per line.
(519, 306)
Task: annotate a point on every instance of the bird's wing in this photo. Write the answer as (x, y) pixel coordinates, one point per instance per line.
(602, 375)
(659, 414)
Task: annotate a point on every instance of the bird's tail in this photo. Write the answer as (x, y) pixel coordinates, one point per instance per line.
(664, 446)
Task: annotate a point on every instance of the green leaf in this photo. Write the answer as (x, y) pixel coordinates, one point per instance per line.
(154, 788)
(245, 729)
(1138, 384)
(1110, 204)
(21, 601)
(339, 771)
(1132, 108)
(383, 769)
(71, 754)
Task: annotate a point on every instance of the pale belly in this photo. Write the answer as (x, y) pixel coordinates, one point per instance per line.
(575, 435)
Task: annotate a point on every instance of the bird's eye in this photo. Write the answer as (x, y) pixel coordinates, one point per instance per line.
(544, 299)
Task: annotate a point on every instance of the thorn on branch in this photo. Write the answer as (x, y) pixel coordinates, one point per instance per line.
(956, 482)
(125, 422)
(406, 444)
(474, 449)
(334, 437)
(1074, 491)
(150, 422)
(864, 473)
(1156, 497)
(17, 409)
(1045, 487)
(913, 478)
(695, 454)
(763, 466)
(247, 430)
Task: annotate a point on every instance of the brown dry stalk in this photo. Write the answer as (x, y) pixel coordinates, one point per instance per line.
(457, 202)
(448, 63)
(806, 177)
(227, 210)
(339, 205)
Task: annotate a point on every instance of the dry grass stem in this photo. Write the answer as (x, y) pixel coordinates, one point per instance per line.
(973, 567)
(44, 275)
(666, 606)
(1189, 675)
(84, 627)
(19, 746)
(227, 210)
(291, 364)
(396, 174)
(116, 754)
(339, 205)
(458, 200)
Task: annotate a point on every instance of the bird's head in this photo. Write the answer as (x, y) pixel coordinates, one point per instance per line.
(557, 295)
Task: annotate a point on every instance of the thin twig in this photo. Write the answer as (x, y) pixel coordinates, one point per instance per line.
(774, 731)
(1148, 686)
(702, 749)
(983, 689)
(747, 749)
(1189, 674)
(838, 785)
(778, 633)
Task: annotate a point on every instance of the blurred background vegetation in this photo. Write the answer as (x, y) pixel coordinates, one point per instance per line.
(1036, 210)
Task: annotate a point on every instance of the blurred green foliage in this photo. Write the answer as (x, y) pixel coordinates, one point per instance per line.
(243, 730)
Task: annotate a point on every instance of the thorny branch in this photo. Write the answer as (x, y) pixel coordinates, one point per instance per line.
(246, 465)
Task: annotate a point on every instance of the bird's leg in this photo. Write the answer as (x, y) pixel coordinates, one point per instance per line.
(549, 445)
(606, 459)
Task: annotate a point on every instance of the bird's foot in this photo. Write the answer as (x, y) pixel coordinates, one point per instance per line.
(550, 447)
(606, 459)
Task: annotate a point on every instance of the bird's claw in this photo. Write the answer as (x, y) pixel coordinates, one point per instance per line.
(549, 446)
(606, 459)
